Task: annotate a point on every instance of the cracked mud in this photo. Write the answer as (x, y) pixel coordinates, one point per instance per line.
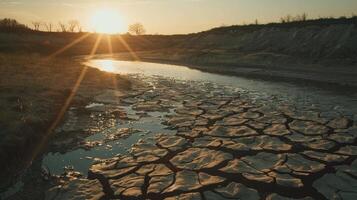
(227, 146)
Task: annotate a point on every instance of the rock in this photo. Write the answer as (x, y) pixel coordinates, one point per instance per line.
(199, 158)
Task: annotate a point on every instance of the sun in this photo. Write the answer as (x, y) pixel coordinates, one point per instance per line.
(107, 21)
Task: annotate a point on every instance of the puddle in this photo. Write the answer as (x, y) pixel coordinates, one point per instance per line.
(81, 159)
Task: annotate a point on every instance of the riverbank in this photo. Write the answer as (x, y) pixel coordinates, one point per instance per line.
(34, 94)
(156, 142)
(333, 74)
(227, 143)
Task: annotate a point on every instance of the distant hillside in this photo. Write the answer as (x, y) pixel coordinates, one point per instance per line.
(322, 22)
(307, 41)
(313, 39)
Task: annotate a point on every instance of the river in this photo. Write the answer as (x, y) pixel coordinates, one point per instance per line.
(328, 102)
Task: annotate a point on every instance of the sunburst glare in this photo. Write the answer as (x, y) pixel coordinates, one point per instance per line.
(107, 21)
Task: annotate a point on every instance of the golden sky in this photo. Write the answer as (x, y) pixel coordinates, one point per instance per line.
(172, 16)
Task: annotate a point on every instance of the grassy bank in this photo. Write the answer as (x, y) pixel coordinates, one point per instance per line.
(32, 93)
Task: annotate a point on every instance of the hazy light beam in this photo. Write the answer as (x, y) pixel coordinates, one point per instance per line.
(65, 106)
(67, 46)
(127, 46)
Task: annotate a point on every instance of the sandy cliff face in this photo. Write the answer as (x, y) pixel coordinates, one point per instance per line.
(312, 42)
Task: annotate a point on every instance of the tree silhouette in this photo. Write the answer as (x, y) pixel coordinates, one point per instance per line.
(8, 24)
(137, 29)
(62, 26)
(49, 26)
(36, 25)
(74, 25)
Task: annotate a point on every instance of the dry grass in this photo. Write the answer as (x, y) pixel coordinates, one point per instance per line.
(31, 94)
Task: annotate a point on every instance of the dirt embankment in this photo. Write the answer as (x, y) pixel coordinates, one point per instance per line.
(32, 94)
(323, 51)
(320, 54)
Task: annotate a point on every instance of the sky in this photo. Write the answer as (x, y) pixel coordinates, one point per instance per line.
(172, 16)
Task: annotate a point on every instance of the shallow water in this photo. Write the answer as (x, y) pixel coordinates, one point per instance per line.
(327, 101)
(298, 95)
(81, 159)
(340, 101)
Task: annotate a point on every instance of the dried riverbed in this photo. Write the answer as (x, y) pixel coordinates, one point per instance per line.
(200, 140)
(200, 137)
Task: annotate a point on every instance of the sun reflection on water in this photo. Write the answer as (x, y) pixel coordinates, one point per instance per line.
(107, 65)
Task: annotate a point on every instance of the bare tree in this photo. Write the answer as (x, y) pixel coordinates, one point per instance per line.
(48, 26)
(286, 19)
(62, 26)
(79, 27)
(304, 17)
(73, 26)
(137, 29)
(36, 25)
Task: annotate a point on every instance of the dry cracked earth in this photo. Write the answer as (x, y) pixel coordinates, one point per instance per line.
(227, 146)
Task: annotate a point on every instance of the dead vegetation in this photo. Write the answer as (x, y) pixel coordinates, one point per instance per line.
(32, 92)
